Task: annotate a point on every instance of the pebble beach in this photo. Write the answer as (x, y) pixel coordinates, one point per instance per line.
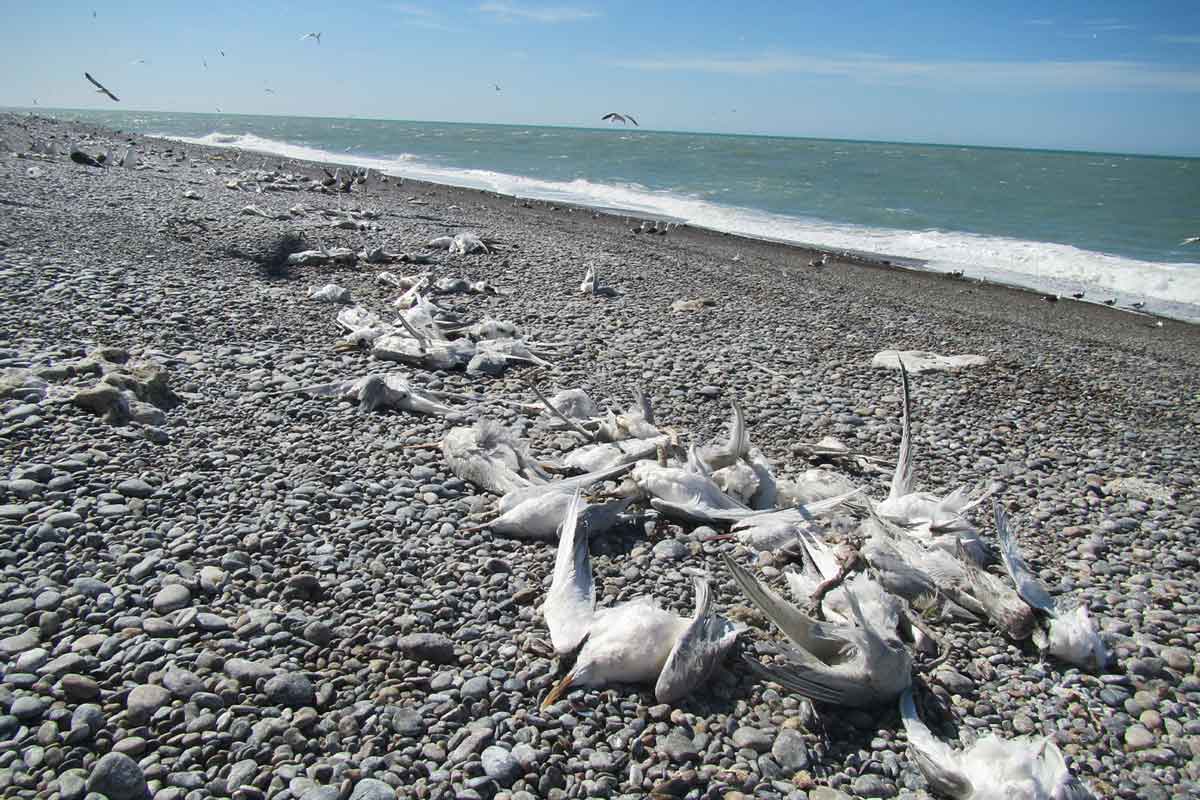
(227, 590)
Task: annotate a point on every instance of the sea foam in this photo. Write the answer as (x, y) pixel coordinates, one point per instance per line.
(1172, 289)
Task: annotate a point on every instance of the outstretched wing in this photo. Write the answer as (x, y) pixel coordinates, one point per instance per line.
(819, 642)
(697, 651)
(571, 601)
(1029, 587)
(902, 478)
(614, 116)
(339, 389)
(100, 87)
(631, 119)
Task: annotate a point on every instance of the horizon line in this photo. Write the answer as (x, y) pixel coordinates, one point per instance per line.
(648, 130)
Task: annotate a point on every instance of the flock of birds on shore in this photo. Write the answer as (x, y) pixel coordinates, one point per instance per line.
(863, 601)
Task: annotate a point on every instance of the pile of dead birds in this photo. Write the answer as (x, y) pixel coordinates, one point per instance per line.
(866, 599)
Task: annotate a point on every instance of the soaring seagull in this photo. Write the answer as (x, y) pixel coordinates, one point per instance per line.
(1191, 240)
(316, 36)
(100, 89)
(615, 117)
(497, 86)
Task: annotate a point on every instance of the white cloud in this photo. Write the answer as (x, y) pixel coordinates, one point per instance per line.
(549, 14)
(1108, 24)
(1022, 75)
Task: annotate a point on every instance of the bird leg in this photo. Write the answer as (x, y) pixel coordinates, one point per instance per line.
(850, 561)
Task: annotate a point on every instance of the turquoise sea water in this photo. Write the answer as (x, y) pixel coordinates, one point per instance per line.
(1108, 224)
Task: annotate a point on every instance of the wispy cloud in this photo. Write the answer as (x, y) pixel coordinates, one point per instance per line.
(548, 14)
(1173, 39)
(1039, 21)
(419, 16)
(1107, 24)
(1024, 75)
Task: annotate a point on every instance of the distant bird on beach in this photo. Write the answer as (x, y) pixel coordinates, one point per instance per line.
(100, 88)
(316, 36)
(1051, 298)
(1078, 295)
(1139, 305)
(1191, 240)
(1111, 302)
(615, 117)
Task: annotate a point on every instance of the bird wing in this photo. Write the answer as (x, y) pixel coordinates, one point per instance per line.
(1030, 588)
(697, 651)
(1191, 240)
(724, 455)
(100, 87)
(571, 602)
(938, 762)
(819, 642)
(902, 478)
(631, 119)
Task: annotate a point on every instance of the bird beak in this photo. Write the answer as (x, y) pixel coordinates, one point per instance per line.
(558, 691)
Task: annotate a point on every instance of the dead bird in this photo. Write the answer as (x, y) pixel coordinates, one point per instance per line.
(940, 520)
(1069, 634)
(489, 456)
(992, 768)
(375, 392)
(633, 642)
(858, 665)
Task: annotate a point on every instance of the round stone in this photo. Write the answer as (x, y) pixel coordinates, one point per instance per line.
(135, 487)
(500, 765)
(144, 700)
(172, 598)
(118, 777)
(372, 789)
(1138, 738)
(291, 689)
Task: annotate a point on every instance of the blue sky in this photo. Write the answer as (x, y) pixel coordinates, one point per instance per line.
(1088, 75)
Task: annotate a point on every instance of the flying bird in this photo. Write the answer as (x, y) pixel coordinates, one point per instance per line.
(137, 61)
(615, 117)
(316, 36)
(222, 52)
(269, 91)
(497, 86)
(100, 88)
(204, 61)
(1191, 240)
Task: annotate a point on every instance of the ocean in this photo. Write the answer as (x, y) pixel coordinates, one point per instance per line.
(1107, 224)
